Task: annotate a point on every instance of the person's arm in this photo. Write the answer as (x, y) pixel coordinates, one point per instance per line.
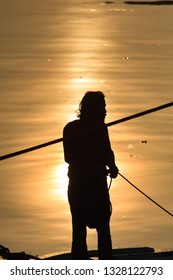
(72, 143)
(68, 144)
(110, 158)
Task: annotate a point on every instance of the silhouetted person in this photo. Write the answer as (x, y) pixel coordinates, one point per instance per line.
(88, 152)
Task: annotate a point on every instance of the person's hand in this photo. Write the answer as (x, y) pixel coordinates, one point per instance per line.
(113, 172)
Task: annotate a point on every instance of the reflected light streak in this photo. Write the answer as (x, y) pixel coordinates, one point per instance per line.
(61, 180)
(85, 84)
(82, 83)
(82, 80)
(89, 48)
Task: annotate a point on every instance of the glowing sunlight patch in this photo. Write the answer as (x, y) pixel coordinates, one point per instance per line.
(82, 81)
(61, 180)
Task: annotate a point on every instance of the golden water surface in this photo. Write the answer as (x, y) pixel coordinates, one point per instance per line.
(52, 52)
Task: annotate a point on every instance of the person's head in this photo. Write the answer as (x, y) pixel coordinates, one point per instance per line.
(92, 107)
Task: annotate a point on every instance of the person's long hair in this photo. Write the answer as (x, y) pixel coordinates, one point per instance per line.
(92, 106)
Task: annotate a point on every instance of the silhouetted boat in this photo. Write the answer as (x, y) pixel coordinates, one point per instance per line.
(141, 253)
(137, 253)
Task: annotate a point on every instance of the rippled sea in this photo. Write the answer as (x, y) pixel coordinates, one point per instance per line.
(52, 52)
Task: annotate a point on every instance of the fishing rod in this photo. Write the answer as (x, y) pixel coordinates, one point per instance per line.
(140, 114)
(146, 195)
(152, 200)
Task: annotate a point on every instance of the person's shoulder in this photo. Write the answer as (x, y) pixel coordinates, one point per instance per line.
(71, 126)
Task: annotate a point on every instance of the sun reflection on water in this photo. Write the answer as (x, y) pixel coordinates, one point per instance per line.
(61, 180)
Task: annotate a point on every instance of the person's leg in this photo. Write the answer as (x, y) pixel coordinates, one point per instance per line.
(104, 241)
(79, 245)
(79, 233)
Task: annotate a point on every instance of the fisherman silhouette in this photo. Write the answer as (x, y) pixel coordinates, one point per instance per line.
(88, 152)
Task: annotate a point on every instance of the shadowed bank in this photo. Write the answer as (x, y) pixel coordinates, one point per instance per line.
(149, 2)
